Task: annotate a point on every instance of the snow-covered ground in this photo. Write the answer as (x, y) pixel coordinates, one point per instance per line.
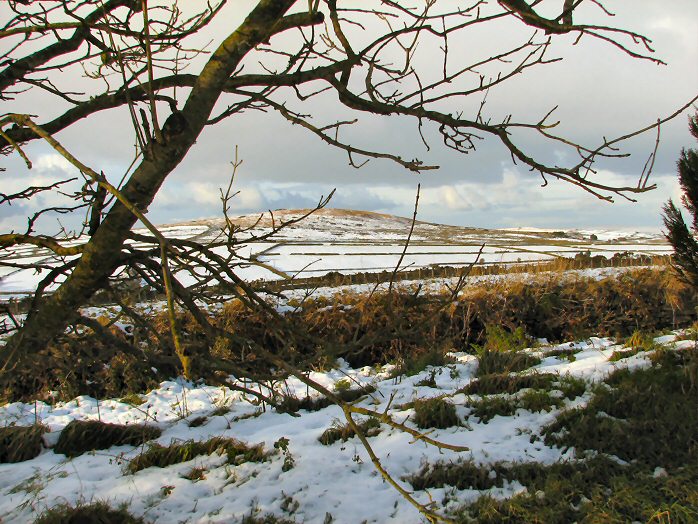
(336, 481)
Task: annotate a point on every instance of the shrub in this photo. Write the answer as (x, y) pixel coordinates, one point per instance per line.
(268, 518)
(537, 400)
(500, 340)
(463, 474)
(489, 407)
(593, 491)
(678, 234)
(571, 386)
(81, 436)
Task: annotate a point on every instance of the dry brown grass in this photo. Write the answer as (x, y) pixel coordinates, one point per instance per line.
(404, 326)
(20, 443)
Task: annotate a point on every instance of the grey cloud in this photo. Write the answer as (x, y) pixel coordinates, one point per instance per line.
(601, 92)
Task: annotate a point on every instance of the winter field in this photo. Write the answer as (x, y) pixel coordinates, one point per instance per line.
(599, 427)
(354, 241)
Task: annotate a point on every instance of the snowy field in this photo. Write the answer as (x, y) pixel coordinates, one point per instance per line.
(352, 241)
(335, 483)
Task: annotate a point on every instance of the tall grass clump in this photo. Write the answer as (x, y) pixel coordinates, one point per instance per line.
(81, 436)
(20, 443)
(93, 513)
(435, 413)
(369, 427)
(161, 456)
(503, 352)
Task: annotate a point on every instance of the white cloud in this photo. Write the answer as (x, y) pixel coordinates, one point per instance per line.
(53, 163)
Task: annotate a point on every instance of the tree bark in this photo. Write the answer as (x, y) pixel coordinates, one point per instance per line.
(102, 253)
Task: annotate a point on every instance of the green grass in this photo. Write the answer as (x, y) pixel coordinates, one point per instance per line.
(162, 456)
(503, 352)
(571, 387)
(597, 490)
(489, 407)
(133, 399)
(620, 498)
(268, 518)
(494, 362)
(636, 343)
(646, 416)
(537, 400)
(566, 353)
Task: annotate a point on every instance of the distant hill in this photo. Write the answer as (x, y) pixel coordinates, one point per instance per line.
(347, 225)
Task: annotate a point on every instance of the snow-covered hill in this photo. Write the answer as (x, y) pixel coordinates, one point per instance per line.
(349, 241)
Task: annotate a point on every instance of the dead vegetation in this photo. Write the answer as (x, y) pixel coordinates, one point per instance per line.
(405, 327)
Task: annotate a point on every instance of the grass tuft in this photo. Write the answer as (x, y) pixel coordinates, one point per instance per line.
(20, 443)
(293, 404)
(435, 413)
(571, 386)
(537, 400)
(497, 383)
(94, 513)
(343, 432)
(81, 436)
(160, 456)
(489, 407)
(503, 352)
(566, 353)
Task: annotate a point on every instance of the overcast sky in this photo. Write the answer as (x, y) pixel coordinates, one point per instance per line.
(599, 90)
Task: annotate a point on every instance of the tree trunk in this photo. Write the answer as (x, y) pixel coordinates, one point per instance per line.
(102, 253)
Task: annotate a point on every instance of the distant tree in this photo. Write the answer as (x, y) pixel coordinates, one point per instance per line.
(678, 233)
